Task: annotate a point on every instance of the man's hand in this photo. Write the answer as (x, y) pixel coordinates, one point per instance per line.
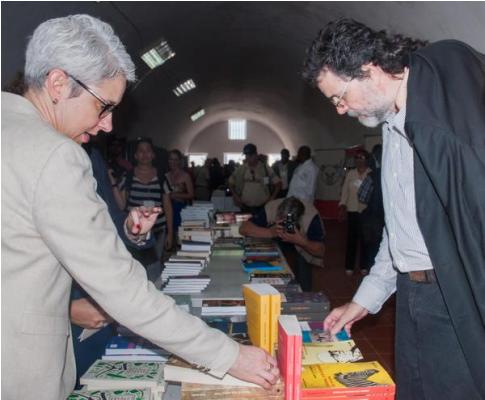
(88, 315)
(255, 365)
(140, 220)
(296, 238)
(344, 317)
(342, 213)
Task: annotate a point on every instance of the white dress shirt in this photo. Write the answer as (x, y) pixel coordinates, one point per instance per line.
(304, 181)
(402, 247)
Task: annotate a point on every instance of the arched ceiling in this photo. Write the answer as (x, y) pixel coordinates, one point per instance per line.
(244, 57)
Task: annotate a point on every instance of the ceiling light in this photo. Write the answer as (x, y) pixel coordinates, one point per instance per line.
(158, 54)
(196, 115)
(184, 87)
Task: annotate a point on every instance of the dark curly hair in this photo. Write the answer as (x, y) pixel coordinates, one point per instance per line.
(344, 45)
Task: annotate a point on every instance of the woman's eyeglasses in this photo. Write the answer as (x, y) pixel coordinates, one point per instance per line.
(107, 108)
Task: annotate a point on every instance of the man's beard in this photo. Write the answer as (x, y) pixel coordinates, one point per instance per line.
(371, 119)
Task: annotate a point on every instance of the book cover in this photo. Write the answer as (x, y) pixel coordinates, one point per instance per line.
(117, 394)
(335, 378)
(123, 375)
(305, 302)
(331, 352)
(287, 329)
(258, 313)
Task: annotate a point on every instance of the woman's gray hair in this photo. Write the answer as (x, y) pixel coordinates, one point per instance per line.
(84, 47)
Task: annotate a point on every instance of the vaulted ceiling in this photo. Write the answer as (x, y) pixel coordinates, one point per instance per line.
(245, 58)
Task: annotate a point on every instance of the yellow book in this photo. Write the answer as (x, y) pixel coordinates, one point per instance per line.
(275, 302)
(345, 375)
(257, 297)
(331, 352)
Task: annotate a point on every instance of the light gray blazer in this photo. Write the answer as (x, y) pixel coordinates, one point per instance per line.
(55, 228)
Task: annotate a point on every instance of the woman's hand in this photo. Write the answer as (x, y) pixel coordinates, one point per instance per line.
(140, 220)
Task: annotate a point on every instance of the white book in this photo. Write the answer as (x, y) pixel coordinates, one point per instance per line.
(124, 375)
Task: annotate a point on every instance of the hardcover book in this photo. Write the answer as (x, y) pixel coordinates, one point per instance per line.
(289, 354)
(118, 394)
(346, 378)
(331, 352)
(132, 346)
(124, 375)
(263, 305)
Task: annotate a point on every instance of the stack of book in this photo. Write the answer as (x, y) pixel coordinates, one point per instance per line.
(307, 306)
(110, 375)
(127, 348)
(220, 307)
(116, 394)
(186, 284)
(230, 218)
(272, 278)
(289, 355)
(357, 381)
(307, 377)
(198, 211)
(195, 247)
(182, 267)
(195, 234)
(263, 307)
(260, 249)
(227, 246)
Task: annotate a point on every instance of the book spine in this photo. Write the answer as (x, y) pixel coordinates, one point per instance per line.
(274, 314)
(298, 347)
(285, 361)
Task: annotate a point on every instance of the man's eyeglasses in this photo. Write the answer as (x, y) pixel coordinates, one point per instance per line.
(107, 106)
(336, 100)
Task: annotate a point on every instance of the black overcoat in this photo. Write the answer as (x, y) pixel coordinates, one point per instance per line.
(445, 121)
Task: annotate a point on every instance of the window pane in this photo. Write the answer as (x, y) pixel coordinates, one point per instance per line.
(197, 158)
(237, 129)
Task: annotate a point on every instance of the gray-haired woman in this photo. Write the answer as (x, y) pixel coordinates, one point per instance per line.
(55, 228)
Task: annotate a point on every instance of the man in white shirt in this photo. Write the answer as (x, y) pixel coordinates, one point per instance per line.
(433, 184)
(304, 181)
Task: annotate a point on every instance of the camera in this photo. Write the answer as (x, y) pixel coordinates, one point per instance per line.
(289, 223)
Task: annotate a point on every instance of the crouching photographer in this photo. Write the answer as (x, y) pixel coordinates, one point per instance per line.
(299, 230)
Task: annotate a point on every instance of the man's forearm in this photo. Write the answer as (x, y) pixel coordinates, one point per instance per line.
(249, 229)
(315, 248)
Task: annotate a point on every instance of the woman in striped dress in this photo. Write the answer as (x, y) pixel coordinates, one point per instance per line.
(143, 188)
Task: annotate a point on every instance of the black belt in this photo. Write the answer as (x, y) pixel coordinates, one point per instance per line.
(427, 276)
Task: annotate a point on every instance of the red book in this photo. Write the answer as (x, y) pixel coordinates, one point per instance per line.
(289, 355)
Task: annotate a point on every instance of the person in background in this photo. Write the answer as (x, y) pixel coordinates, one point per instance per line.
(372, 217)
(202, 181)
(429, 98)
(179, 186)
(350, 209)
(251, 183)
(144, 187)
(284, 169)
(303, 244)
(303, 184)
(216, 172)
(117, 163)
(55, 228)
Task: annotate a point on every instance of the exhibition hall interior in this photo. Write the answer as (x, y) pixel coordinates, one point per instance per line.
(213, 77)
